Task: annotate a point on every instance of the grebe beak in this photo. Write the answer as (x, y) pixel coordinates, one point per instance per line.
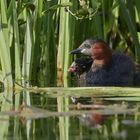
(76, 51)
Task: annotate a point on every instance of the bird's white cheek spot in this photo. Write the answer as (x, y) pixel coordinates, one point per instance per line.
(86, 52)
(83, 50)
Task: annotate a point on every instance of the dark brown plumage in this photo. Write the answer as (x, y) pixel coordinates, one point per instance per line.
(108, 68)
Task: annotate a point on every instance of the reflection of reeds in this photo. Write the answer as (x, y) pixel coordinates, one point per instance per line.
(63, 121)
(36, 37)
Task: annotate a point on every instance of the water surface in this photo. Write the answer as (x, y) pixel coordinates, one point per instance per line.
(57, 118)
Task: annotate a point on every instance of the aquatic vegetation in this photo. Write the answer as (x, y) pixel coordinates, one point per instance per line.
(36, 37)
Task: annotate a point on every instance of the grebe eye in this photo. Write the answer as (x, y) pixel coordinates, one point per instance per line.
(87, 46)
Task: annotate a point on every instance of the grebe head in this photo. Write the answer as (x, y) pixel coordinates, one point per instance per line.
(98, 49)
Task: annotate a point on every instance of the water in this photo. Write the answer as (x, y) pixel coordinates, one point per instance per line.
(55, 117)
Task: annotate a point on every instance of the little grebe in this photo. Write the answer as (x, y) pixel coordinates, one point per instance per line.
(108, 68)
